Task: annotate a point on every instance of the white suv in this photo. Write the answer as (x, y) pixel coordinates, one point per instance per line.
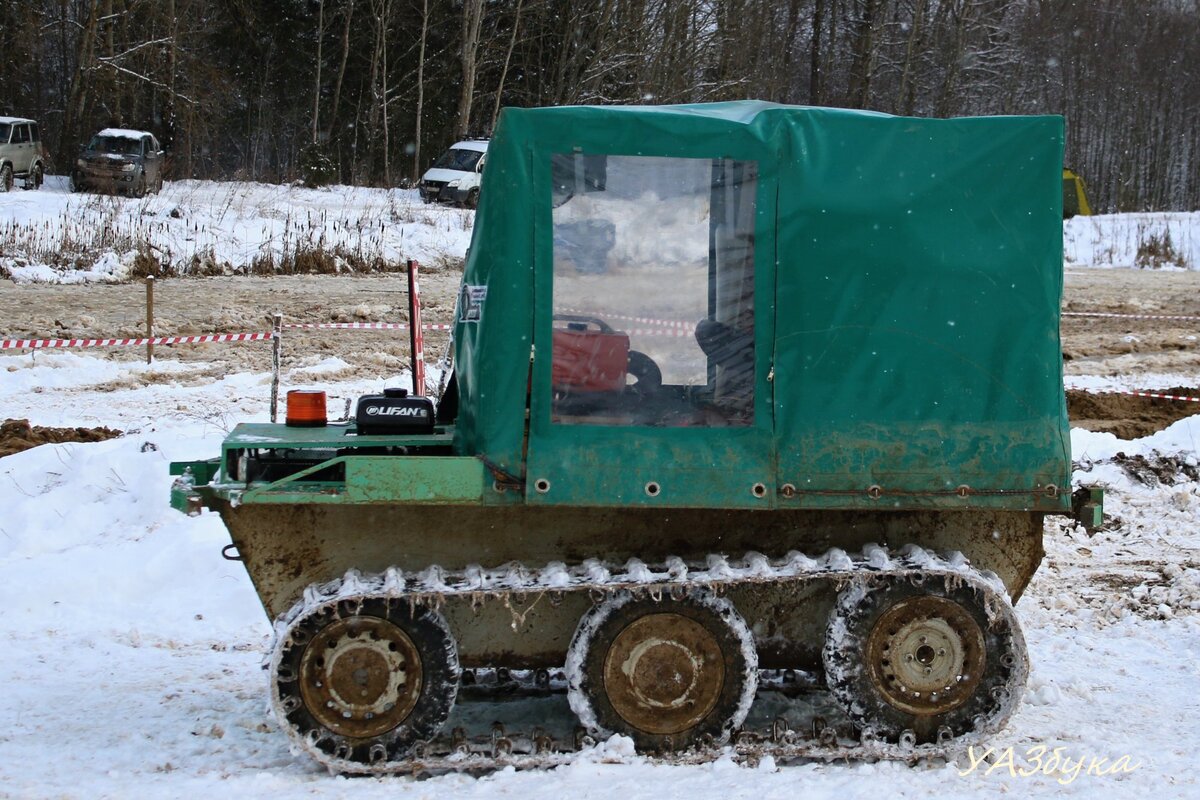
(21, 154)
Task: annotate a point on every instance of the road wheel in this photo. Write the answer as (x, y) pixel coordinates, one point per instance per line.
(139, 186)
(472, 200)
(926, 659)
(669, 673)
(158, 184)
(6, 178)
(76, 181)
(35, 178)
(358, 682)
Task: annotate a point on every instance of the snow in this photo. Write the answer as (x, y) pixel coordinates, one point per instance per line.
(53, 236)
(123, 133)
(1113, 240)
(133, 650)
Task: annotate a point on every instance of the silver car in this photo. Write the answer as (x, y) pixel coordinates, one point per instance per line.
(117, 159)
(21, 154)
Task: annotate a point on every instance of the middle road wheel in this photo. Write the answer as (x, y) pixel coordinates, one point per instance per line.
(668, 673)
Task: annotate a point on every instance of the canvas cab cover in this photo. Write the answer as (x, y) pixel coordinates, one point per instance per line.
(748, 305)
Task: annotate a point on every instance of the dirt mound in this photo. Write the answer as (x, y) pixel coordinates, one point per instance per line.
(1157, 470)
(1127, 416)
(17, 435)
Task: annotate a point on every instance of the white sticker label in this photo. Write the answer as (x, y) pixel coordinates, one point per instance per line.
(470, 303)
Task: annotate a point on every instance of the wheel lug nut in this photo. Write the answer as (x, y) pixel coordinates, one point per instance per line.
(928, 671)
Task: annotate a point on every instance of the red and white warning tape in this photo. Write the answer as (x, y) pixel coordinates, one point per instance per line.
(364, 326)
(47, 344)
(666, 323)
(1155, 395)
(1130, 316)
(682, 334)
(41, 344)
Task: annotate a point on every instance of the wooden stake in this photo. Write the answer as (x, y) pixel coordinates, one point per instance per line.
(149, 318)
(276, 350)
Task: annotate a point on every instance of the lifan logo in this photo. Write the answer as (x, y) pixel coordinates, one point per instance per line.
(396, 411)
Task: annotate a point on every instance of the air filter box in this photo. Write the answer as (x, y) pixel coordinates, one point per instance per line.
(394, 412)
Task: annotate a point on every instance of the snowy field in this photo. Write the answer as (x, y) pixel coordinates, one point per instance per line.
(206, 227)
(132, 649)
(1164, 240)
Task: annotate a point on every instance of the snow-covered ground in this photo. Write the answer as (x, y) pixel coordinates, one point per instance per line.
(207, 227)
(132, 649)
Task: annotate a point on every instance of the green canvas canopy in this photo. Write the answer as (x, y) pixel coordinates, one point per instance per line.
(894, 284)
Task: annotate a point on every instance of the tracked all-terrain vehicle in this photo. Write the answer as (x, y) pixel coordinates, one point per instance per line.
(756, 415)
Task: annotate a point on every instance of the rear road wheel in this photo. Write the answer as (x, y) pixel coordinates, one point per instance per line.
(930, 660)
(6, 178)
(668, 673)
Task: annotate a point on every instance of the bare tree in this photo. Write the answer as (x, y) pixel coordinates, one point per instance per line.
(472, 21)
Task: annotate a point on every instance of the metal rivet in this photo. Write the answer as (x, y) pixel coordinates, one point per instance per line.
(652, 489)
(541, 485)
(874, 491)
(758, 489)
(963, 490)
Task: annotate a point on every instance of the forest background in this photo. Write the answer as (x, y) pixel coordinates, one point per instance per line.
(251, 89)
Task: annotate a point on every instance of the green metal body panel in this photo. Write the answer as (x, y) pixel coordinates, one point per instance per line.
(426, 480)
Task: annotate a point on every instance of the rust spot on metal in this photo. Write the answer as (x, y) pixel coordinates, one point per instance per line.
(664, 673)
(360, 677)
(926, 655)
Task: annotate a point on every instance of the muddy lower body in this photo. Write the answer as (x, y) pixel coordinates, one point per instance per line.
(666, 648)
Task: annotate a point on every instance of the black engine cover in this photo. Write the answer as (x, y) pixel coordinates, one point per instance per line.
(394, 412)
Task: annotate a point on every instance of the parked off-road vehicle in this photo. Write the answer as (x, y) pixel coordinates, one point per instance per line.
(21, 154)
(120, 160)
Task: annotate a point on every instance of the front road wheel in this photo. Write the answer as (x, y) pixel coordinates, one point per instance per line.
(358, 682)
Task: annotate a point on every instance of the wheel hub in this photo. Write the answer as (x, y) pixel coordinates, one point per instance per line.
(360, 677)
(926, 655)
(664, 673)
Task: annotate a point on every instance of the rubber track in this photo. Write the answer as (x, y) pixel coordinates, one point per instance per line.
(489, 750)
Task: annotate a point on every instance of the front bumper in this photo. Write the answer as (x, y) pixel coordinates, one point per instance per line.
(440, 192)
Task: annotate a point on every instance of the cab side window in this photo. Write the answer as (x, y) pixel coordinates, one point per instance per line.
(653, 291)
(20, 134)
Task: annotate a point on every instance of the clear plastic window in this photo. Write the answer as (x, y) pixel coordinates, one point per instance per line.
(653, 290)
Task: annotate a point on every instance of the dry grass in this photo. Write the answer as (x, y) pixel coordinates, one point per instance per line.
(1155, 249)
